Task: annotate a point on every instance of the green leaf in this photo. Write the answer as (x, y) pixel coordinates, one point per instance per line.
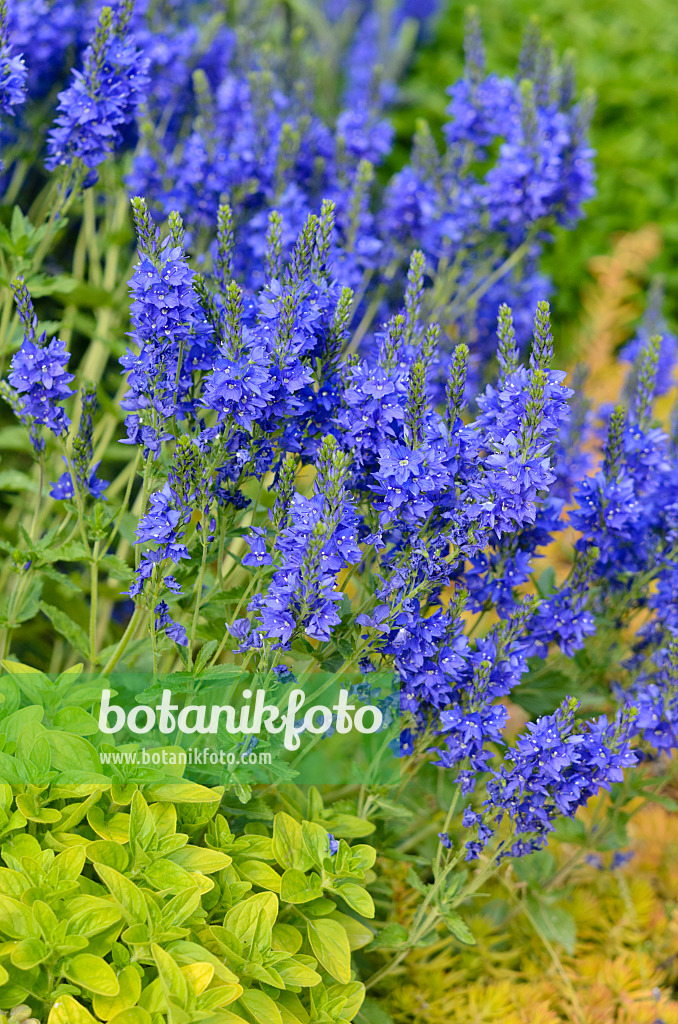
(13, 480)
(16, 920)
(330, 946)
(260, 874)
(294, 973)
(456, 925)
(125, 893)
(316, 841)
(359, 934)
(260, 1006)
(92, 973)
(553, 922)
(204, 654)
(20, 226)
(348, 826)
(197, 858)
(107, 1007)
(546, 584)
(569, 830)
(72, 753)
(40, 285)
(356, 897)
(536, 868)
(29, 953)
(544, 694)
(613, 835)
(77, 720)
(141, 822)
(133, 1015)
(372, 1013)
(116, 568)
(296, 887)
(242, 919)
(288, 844)
(286, 938)
(168, 877)
(183, 793)
(67, 1010)
(172, 980)
(391, 936)
(69, 629)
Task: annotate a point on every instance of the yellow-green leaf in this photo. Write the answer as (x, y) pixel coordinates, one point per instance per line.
(107, 1007)
(92, 973)
(331, 948)
(125, 893)
(260, 1006)
(133, 1015)
(260, 874)
(196, 858)
(296, 887)
(182, 792)
(67, 1010)
(288, 845)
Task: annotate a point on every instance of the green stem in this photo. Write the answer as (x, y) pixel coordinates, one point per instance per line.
(94, 597)
(124, 641)
(198, 598)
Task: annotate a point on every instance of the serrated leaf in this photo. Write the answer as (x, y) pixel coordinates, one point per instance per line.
(456, 926)
(68, 629)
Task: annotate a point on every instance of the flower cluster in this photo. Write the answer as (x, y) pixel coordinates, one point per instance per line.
(102, 99)
(344, 439)
(84, 470)
(12, 69)
(38, 374)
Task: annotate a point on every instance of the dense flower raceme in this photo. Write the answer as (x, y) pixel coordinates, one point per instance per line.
(38, 375)
(249, 131)
(12, 69)
(227, 125)
(415, 518)
(445, 511)
(102, 99)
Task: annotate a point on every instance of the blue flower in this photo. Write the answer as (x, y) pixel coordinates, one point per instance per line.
(38, 372)
(102, 99)
(12, 70)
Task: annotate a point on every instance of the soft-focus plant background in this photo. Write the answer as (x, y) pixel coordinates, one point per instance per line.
(627, 52)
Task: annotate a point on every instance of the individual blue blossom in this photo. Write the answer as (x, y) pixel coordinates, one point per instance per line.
(258, 554)
(164, 623)
(285, 675)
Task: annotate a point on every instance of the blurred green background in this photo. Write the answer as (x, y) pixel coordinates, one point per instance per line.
(627, 52)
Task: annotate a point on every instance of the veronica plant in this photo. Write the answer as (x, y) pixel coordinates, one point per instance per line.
(273, 443)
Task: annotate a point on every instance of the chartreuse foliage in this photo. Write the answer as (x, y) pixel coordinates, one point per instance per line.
(115, 906)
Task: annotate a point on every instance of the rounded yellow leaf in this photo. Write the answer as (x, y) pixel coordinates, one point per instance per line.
(67, 1010)
(107, 1007)
(198, 975)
